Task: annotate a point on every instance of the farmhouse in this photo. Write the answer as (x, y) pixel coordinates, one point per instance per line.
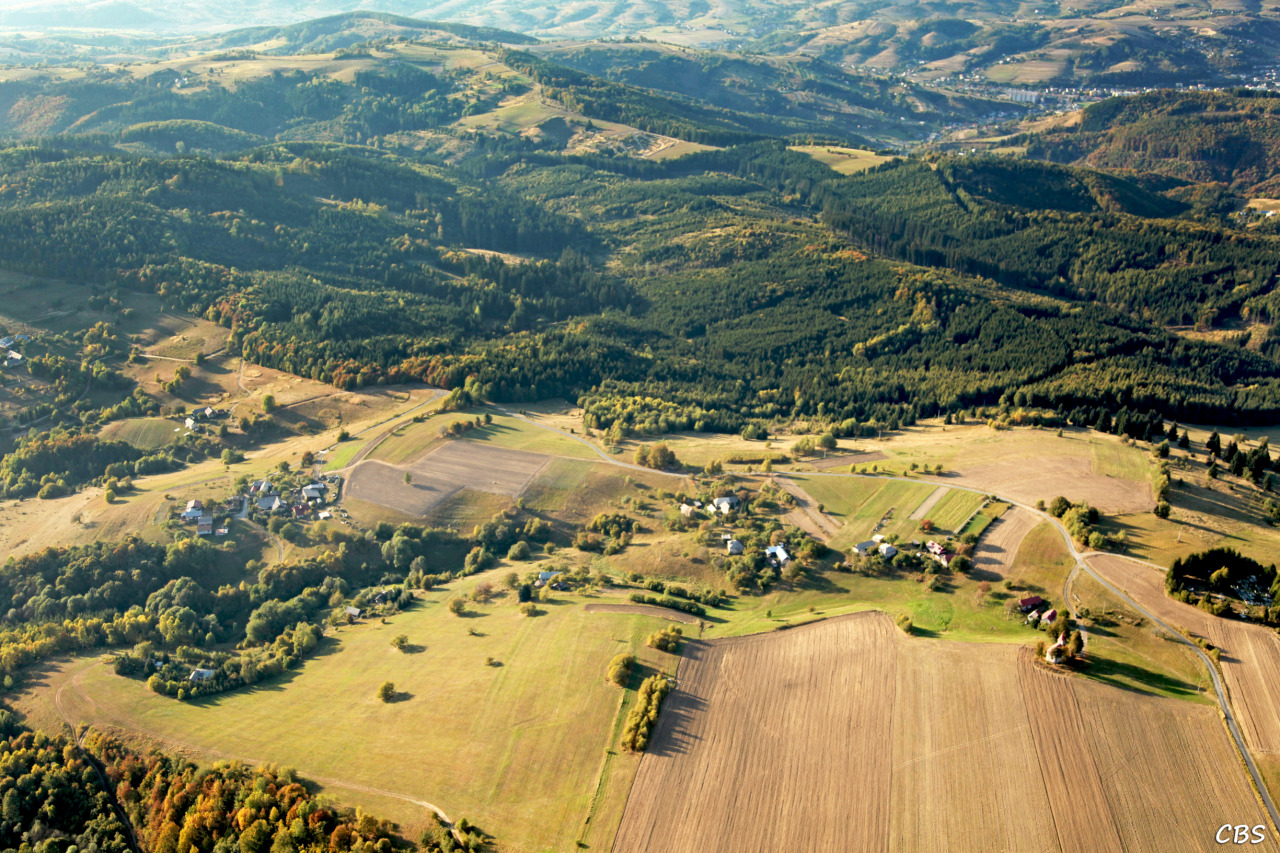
(887, 551)
(778, 554)
(725, 505)
(735, 547)
(200, 675)
(270, 503)
(865, 548)
(15, 358)
(1030, 603)
(204, 525)
(189, 423)
(5, 343)
(544, 578)
(1049, 615)
(353, 612)
(687, 511)
(314, 492)
(261, 487)
(1058, 651)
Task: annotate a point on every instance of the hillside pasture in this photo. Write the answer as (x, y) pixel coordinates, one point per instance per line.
(516, 747)
(439, 475)
(845, 734)
(144, 433)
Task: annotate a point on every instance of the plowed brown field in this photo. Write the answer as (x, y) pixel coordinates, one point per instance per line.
(993, 558)
(772, 742)
(443, 473)
(846, 735)
(1250, 655)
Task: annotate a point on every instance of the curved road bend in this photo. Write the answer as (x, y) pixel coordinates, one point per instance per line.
(1224, 705)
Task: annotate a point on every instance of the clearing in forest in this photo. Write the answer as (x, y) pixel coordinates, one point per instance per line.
(846, 734)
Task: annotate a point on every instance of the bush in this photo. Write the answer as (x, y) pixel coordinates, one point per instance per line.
(387, 691)
(643, 717)
(1163, 509)
(401, 642)
(457, 606)
(529, 609)
(666, 640)
(1058, 506)
(905, 623)
(620, 668)
(518, 551)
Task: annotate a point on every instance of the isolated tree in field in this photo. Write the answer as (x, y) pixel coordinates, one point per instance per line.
(1162, 509)
(620, 668)
(1058, 506)
(408, 478)
(401, 642)
(827, 441)
(387, 691)
(457, 606)
(926, 525)
(269, 403)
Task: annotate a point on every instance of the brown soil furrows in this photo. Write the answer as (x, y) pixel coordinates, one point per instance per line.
(929, 503)
(962, 779)
(1250, 659)
(1170, 774)
(1250, 654)
(645, 610)
(1027, 481)
(993, 558)
(442, 474)
(772, 742)
(1074, 786)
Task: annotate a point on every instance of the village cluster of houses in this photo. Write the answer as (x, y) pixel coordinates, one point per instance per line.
(313, 497)
(1037, 610)
(12, 358)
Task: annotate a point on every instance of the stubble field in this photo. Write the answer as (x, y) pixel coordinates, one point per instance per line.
(845, 734)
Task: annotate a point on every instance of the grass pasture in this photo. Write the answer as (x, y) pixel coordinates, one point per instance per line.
(862, 503)
(516, 746)
(955, 508)
(846, 161)
(884, 735)
(144, 433)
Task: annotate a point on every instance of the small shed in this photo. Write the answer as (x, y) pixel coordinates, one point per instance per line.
(353, 612)
(204, 526)
(888, 551)
(735, 547)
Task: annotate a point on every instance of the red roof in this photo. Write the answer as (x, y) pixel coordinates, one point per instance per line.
(1031, 602)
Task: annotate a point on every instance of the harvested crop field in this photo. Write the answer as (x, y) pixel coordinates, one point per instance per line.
(644, 610)
(1074, 478)
(439, 475)
(1250, 656)
(847, 735)
(770, 742)
(930, 502)
(994, 556)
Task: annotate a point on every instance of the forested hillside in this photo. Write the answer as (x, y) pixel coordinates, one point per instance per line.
(1227, 137)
